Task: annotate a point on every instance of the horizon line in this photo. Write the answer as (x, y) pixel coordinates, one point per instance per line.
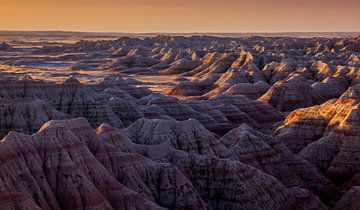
(174, 32)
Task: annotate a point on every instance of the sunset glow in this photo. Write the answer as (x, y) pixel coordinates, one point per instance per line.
(181, 16)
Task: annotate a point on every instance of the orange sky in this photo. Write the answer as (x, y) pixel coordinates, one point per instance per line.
(181, 16)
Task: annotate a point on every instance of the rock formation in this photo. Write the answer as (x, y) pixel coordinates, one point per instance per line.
(53, 169)
(4, 46)
(70, 97)
(330, 144)
(180, 122)
(26, 115)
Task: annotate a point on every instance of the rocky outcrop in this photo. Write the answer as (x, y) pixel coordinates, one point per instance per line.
(259, 111)
(84, 169)
(252, 91)
(71, 97)
(180, 66)
(330, 87)
(189, 136)
(333, 148)
(127, 85)
(275, 71)
(188, 88)
(157, 182)
(5, 47)
(127, 110)
(26, 115)
(273, 157)
(202, 111)
(292, 93)
(191, 122)
(53, 169)
(211, 182)
(300, 132)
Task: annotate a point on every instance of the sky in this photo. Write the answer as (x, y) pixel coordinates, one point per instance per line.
(185, 16)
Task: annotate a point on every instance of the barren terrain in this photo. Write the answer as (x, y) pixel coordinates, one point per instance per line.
(186, 121)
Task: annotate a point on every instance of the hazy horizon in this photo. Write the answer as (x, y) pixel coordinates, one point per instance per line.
(197, 16)
(172, 32)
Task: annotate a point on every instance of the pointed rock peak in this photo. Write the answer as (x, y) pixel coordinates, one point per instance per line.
(243, 128)
(156, 98)
(105, 128)
(71, 123)
(72, 80)
(114, 91)
(352, 93)
(119, 78)
(192, 123)
(240, 134)
(123, 51)
(11, 136)
(26, 78)
(5, 46)
(51, 124)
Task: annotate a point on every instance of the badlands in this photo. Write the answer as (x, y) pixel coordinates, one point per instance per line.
(179, 122)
